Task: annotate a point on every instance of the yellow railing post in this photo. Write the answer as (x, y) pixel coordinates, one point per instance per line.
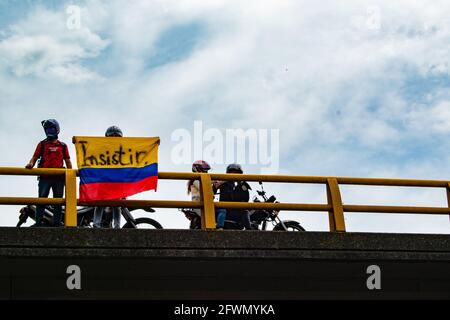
(208, 212)
(71, 199)
(448, 196)
(336, 215)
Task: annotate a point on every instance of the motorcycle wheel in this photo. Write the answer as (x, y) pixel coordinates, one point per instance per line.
(290, 226)
(144, 223)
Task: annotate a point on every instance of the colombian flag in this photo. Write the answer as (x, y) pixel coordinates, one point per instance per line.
(114, 167)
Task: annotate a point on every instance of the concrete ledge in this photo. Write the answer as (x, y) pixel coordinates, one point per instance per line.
(188, 264)
(197, 239)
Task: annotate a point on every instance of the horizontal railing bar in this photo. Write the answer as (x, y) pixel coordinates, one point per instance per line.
(309, 179)
(32, 172)
(396, 209)
(29, 201)
(178, 175)
(268, 178)
(227, 205)
(393, 182)
(254, 177)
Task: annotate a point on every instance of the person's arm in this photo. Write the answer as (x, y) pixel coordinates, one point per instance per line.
(196, 184)
(68, 163)
(36, 156)
(32, 162)
(67, 157)
(216, 185)
(242, 193)
(246, 187)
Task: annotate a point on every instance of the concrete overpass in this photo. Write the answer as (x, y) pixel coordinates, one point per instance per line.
(187, 264)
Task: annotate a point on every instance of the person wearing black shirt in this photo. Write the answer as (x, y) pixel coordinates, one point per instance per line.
(235, 191)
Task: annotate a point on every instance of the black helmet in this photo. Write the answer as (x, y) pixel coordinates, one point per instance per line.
(51, 128)
(113, 131)
(234, 167)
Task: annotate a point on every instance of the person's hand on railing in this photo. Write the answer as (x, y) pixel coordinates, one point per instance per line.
(217, 183)
(31, 163)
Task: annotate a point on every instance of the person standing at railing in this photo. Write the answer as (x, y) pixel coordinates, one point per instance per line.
(113, 131)
(193, 188)
(51, 153)
(235, 191)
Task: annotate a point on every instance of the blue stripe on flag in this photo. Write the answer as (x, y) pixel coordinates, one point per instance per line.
(98, 175)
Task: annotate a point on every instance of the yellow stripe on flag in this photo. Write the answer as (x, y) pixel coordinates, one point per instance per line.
(116, 152)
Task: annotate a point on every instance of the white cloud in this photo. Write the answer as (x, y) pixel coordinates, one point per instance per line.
(432, 119)
(41, 45)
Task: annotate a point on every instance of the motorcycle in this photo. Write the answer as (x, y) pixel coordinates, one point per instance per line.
(259, 218)
(85, 217)
(194, 216)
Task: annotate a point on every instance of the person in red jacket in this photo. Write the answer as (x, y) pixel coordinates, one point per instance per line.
(51, 153)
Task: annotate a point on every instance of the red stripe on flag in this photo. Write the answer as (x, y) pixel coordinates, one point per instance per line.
(116, 190)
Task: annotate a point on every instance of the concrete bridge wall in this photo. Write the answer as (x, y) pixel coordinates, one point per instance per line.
(188, 264)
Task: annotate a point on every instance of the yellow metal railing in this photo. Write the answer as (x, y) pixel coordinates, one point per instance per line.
(70, 200)
(334, 205)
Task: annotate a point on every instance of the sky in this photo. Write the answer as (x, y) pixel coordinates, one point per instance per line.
(356, 88)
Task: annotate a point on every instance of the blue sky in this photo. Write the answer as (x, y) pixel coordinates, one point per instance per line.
(351, 93)
(176, 44)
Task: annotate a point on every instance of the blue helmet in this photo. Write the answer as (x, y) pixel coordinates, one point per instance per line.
(51, 128)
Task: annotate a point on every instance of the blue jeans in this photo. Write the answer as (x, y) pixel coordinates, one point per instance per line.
(221, 215)
(44, 186)
(98, 214)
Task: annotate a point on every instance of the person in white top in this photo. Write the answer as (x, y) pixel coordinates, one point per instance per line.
(193, 188)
